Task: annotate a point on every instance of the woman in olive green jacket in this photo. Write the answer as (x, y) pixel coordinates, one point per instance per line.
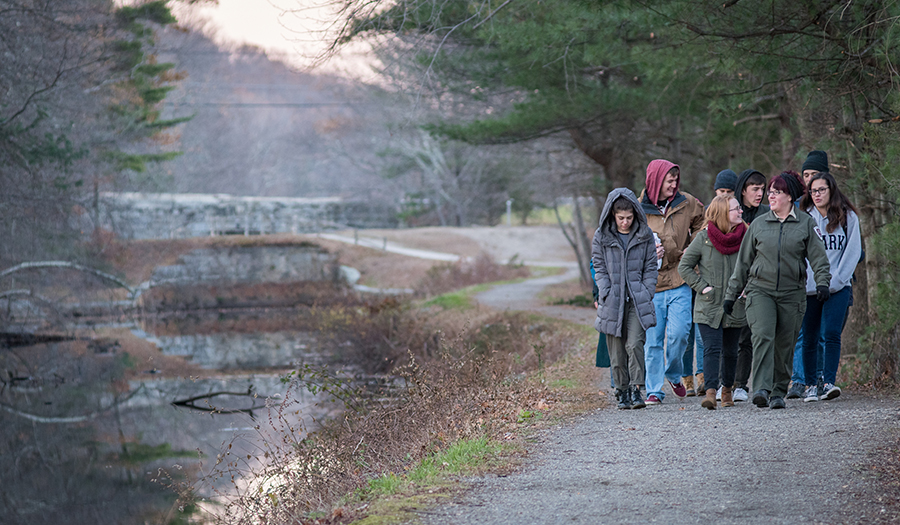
(706, 266)
(771, 271)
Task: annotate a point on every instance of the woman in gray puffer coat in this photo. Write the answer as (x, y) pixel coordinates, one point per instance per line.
(625, 264)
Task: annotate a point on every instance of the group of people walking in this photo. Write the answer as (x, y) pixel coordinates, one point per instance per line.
(745, 278)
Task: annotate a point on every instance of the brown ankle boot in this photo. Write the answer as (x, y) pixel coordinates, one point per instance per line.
(710, 400)
(688, 382)
(700, 384)
(727, 400)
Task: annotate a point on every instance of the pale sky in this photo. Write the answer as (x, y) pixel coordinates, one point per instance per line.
(291, 30)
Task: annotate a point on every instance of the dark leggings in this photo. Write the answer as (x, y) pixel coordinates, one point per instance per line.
(744, 359)
(720, 347)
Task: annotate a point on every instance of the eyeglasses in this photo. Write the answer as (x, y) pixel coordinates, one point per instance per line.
(819, 191)
(737, 209)
(774, 193)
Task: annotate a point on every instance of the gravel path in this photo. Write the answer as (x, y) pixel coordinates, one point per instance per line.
(677, 462)
(680, 463)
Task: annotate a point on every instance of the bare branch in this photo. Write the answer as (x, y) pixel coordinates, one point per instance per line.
(491, 14)
(767, 116)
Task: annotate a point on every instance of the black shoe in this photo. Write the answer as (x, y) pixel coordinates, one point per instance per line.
(796, 391)
(637, 399)
(624, 399)
(776, 402)
(761, 398)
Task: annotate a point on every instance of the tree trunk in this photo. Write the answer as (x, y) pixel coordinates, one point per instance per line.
(616, 163)
(583, 245)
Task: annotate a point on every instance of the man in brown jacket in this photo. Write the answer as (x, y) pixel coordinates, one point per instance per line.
(675, 217)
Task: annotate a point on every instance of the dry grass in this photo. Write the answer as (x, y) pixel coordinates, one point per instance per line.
(445, 277)
(433, 238)
(463, 376)
(568, 292)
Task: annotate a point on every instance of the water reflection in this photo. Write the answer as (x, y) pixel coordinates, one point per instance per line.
(86, 432)
(239, 339)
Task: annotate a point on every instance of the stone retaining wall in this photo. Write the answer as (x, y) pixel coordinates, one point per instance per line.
(174, 216)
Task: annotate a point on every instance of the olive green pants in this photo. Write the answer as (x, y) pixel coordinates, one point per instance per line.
(774, 319)
(626, 353)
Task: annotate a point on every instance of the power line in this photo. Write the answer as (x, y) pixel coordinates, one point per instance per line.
(270, 104)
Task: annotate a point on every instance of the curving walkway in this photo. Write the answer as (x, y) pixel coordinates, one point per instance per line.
(680, 463)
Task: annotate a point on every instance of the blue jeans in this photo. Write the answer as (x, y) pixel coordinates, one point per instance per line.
(826, 318)
(666, 341)
(687, 362)
(799, 375)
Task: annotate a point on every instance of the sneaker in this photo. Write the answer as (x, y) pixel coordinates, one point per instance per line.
(812, 394)
(776, 402)
(761, 398)
(637, 400)
(830, 392)
(796, 391)
(653, 400)
(740, 395)
(678, 389)
(719, 394)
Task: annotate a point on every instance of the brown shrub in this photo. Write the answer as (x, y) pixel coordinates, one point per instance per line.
(449, 386)
(443, 278)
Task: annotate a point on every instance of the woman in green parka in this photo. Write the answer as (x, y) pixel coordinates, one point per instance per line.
(771, 272)
(706, 266)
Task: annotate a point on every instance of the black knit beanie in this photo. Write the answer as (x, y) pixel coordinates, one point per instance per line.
(726, 180)
(794, 184)
(816, 160)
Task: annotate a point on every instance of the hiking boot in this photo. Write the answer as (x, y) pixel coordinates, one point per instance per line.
(761, 398)
(710, 400)
(678, 389)
(776, 402)
(740, 394)
(653, 400)
(831, 391)
(624, 399)
(812, 394)
(637, 399)
(727, 400)
(796, 390)
(688, 382)
(701, 385)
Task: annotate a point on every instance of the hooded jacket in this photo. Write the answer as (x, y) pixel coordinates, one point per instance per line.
(682, 220)
(750, 213)
(623, 272)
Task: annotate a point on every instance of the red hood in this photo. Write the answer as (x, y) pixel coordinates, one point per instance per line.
(656, 173)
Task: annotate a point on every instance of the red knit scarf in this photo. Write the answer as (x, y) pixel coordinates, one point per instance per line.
(726, 243)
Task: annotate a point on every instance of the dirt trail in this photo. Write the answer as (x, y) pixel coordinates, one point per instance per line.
(680, 463)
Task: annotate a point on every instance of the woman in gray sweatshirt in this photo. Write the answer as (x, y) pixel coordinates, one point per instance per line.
(838, 226)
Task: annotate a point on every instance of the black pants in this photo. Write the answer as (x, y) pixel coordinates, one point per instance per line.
(720, 348)
(744, 359)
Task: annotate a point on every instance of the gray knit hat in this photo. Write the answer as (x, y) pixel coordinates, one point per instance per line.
(726, 180)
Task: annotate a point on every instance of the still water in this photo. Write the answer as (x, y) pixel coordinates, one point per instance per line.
(92, 434)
